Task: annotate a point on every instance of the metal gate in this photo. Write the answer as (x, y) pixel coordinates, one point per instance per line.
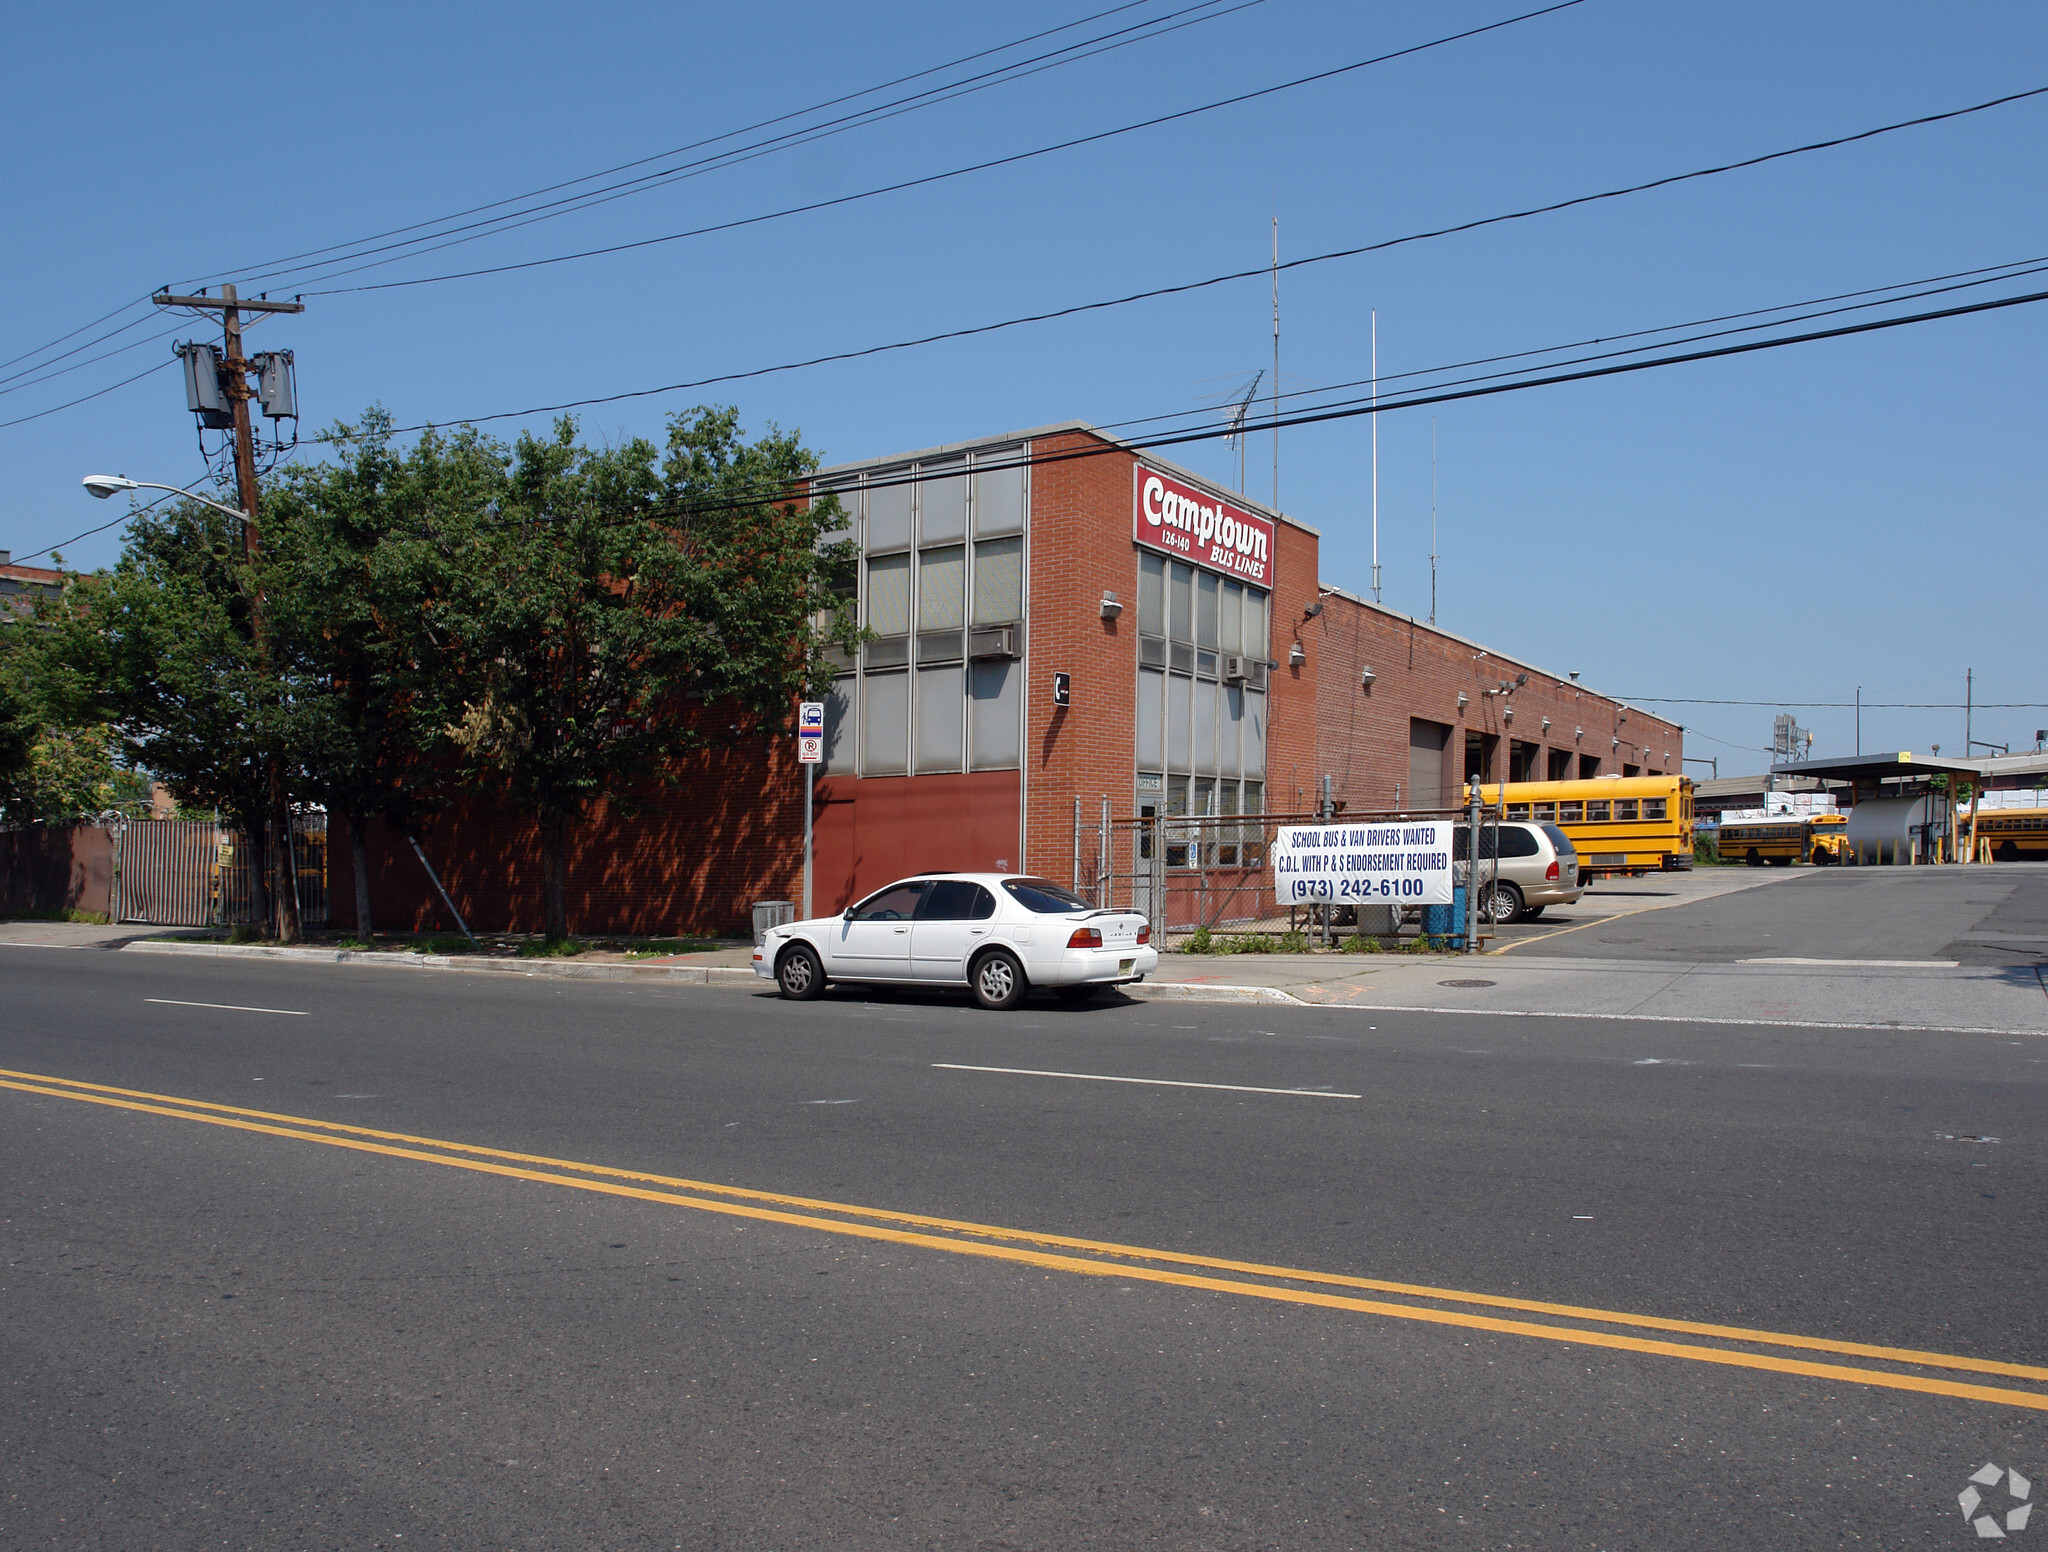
(194, 873)
(1188, 873)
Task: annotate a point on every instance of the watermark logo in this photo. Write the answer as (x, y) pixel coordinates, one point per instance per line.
(1981, 1495)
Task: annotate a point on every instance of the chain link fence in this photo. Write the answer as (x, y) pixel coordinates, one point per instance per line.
(194, 873)
(1210, 876)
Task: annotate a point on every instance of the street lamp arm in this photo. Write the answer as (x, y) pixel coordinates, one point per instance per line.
(105, 485)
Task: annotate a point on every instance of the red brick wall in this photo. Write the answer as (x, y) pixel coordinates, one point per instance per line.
(692, 857)
(868, 832)
(1291, 760)
(1081, 547)
(1362, 734)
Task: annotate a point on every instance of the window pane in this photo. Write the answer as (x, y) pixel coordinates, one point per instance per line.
(942, 503)
(952, 899)
(1207, 586)
(1230, 732)
(885, 742)
(1231, 638)
(1596, 811)
(1571, 813)
(1151, 718)
(1179, 716)
(889, 595)
(1180, 593)
(1044, 896)
(1152, 595)
(1653, 808)
(1255, 732)
(889, 514)
(839, 726)
(998, 494)
(896, 903)
(1205, 727)
(1255, 624)
(1254, 797)
(1543, 811)
(998, 732)
(942, 589)
(940, 710)
(998, 581)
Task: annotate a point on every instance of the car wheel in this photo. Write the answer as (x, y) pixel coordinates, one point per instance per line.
(798, 974)
(1504, 904)
(998, 980)
(1082, 993)
(1533, 912)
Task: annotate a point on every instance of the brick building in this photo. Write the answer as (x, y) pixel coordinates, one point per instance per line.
(1203, 666)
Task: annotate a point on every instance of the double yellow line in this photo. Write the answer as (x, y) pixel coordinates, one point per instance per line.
(1097, 1258)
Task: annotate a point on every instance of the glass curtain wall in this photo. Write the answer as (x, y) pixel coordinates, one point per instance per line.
(942, 560)
(1201, 734)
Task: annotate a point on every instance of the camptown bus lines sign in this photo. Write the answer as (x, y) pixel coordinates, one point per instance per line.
(1198, 527)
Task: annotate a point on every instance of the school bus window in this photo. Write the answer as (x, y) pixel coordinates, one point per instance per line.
(1653, 808)
(1543, 811)
(1518, 811)
(1570, 813)
(1596, 811)
(1624, 808)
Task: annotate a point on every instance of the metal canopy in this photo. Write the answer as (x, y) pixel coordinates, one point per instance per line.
(1903, 766)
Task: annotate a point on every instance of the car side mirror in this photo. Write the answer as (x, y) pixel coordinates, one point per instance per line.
(847, 914)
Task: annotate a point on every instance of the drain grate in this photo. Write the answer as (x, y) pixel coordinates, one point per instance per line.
(1466, 983)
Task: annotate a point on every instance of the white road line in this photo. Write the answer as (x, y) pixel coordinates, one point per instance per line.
(1693, 1018)
(225, 1007)
(1165, 1083)
(1863, 964)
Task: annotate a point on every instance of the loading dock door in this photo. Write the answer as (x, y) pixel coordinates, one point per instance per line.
(1426, 773)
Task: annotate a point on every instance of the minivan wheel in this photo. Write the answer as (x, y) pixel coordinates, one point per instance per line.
(998, 980)
(1504, 904)
(798, 974)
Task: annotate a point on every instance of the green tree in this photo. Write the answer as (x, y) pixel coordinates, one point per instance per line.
(628, 604)
(361, 554)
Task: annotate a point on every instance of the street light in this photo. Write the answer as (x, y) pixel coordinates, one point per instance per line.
(105, 485)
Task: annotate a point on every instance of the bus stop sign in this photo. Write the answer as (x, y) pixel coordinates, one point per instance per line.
(810, 732)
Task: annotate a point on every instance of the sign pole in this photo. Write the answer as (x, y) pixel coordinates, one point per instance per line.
(810, 753)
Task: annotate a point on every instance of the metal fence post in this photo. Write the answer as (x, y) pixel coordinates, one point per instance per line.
(1472, 872)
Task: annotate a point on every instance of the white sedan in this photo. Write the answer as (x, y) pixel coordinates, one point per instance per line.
(995, 933)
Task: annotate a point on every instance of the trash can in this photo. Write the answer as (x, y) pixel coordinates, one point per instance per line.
(1446, 921)
(771, 913)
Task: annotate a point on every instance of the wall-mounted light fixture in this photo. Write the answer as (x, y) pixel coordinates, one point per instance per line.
(1310, 611)
(1577, 734)
(1365, 678)
(1463, 698)
(1112, 606)
(1546, 724)
(1296, 655)
(1620, 718)
(1507, 713)
(1574, 676)
(1617, 743)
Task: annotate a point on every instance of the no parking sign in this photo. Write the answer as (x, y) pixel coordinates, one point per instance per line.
(810, 732)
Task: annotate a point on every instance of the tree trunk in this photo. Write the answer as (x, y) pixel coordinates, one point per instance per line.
(259, 869)
(359, 852)
(286, 858)
(554, 902)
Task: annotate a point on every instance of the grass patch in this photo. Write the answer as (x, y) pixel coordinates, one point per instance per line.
(1200, 941)
(550, 948)
(1358, 943)
(1252, 943)
(660, 947)
(69, 913)
(245, 934)
(443, 943)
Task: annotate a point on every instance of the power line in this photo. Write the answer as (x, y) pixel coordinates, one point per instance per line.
(1672, 700)
(737, 156)
(22, 420)
(961, 172)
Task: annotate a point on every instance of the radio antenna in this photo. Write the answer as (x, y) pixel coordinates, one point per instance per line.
(1237, 437)
(1375, 455)
(1432, 520)
(1276, 363)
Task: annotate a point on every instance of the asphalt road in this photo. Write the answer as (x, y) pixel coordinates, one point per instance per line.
(1995, 915)
(242, 1326)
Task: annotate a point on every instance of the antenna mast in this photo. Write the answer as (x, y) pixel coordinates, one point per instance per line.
(1237, 418)
(1375, 455)
(1276, 363)
(1432, 520)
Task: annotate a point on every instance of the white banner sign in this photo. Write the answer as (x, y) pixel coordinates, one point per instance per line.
(1390, 864)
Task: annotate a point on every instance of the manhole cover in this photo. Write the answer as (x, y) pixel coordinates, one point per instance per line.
(1464, 983)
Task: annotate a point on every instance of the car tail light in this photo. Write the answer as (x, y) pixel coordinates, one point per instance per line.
(1145, 933)
(1086, 937)
(1551, 872)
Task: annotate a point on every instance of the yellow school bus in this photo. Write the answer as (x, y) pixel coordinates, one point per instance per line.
(1784, 839)
(2013, 834)
(1619, 824)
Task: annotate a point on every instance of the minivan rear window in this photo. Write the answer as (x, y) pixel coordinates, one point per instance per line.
(1560, 840)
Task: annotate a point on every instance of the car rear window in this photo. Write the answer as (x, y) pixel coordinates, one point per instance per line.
(1044, 896)
(1560, 840)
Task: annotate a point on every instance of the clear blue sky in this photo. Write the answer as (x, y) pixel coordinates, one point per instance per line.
(1778, 527)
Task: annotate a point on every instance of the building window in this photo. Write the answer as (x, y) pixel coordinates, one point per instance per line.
(888, 525)
(1208, 587)
(1180, 596)
(941, 708)
(1151, 595)
(1151, 714)
(942, 502)
(839, 728)
(999, 493)
(889, 595)
(885, 724)
(998, 581)
(942, 588)
(997, 726)
(1230, 633)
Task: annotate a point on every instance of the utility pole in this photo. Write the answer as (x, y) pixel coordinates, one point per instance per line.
(1969, 706)
(234, 377)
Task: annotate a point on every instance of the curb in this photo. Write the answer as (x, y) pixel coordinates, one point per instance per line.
(679, 975)
(686, 975)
